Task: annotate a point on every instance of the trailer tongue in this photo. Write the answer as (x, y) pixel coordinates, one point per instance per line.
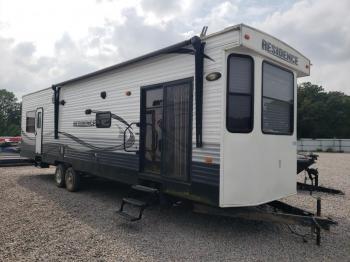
(303, 164)
(277, 212)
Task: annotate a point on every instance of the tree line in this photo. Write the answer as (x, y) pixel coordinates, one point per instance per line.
(10, 114)
(321, 114)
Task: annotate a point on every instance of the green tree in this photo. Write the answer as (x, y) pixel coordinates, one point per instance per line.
(322, 114)
(10, 114)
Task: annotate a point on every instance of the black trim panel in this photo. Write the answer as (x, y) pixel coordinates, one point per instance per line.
(205, 173)
(123, 167)
(56, 90)
(199, 67)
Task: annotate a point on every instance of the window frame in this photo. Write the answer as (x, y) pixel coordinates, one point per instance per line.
(228, 93)
(262, 100)
(33, 112)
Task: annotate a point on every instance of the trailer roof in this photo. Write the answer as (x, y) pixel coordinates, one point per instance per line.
(165, 50)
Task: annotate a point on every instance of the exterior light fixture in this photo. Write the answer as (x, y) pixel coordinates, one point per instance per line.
(213, 76)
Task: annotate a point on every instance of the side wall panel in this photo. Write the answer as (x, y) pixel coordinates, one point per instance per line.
(31, 102)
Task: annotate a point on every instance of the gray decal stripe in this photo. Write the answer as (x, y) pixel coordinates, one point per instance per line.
(130, 142)
(127, 144)
(119, 118)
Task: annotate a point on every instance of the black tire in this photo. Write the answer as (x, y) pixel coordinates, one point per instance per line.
(72, 179)
(60, 176)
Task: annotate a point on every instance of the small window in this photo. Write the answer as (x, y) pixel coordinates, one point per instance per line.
(103, 119)
(38, 121)
(240, 86)
(277, 100)
(30, 122)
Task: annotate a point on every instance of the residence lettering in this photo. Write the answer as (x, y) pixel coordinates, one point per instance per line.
(84, 123)
(279, 52)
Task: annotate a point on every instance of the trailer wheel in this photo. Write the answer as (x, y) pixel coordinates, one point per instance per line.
(60, 175)
(72, 179)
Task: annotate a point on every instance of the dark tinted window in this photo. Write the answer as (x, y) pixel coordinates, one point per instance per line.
(240, 94)
(103, 119)
(277, 100)
(30, 122)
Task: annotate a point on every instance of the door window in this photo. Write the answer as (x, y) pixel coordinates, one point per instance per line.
(30, 122)
(39, 120)
(240, 86)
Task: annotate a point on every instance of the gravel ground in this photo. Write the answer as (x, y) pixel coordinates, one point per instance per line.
(39, 221)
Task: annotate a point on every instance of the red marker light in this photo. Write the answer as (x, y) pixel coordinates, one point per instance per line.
(246, 36)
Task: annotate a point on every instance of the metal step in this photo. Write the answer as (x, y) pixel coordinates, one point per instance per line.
(127, 216)
(145, 189)
(134, 202)
(137, 203)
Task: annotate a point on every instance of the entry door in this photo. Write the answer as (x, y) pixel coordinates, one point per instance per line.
(166, 128)
(38, 130)
(151, 129)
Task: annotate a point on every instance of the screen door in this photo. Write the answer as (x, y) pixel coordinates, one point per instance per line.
(177, 130)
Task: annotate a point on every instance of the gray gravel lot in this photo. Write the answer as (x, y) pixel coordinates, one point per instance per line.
(39, 221)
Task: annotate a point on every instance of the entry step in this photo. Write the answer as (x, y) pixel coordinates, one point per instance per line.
(134, 202)
(127, 216)
(141, 205)
(145, 189)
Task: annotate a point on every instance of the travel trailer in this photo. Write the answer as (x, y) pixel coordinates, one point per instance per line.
(211, 119)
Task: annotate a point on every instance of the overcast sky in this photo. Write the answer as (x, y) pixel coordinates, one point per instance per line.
(44, 42)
